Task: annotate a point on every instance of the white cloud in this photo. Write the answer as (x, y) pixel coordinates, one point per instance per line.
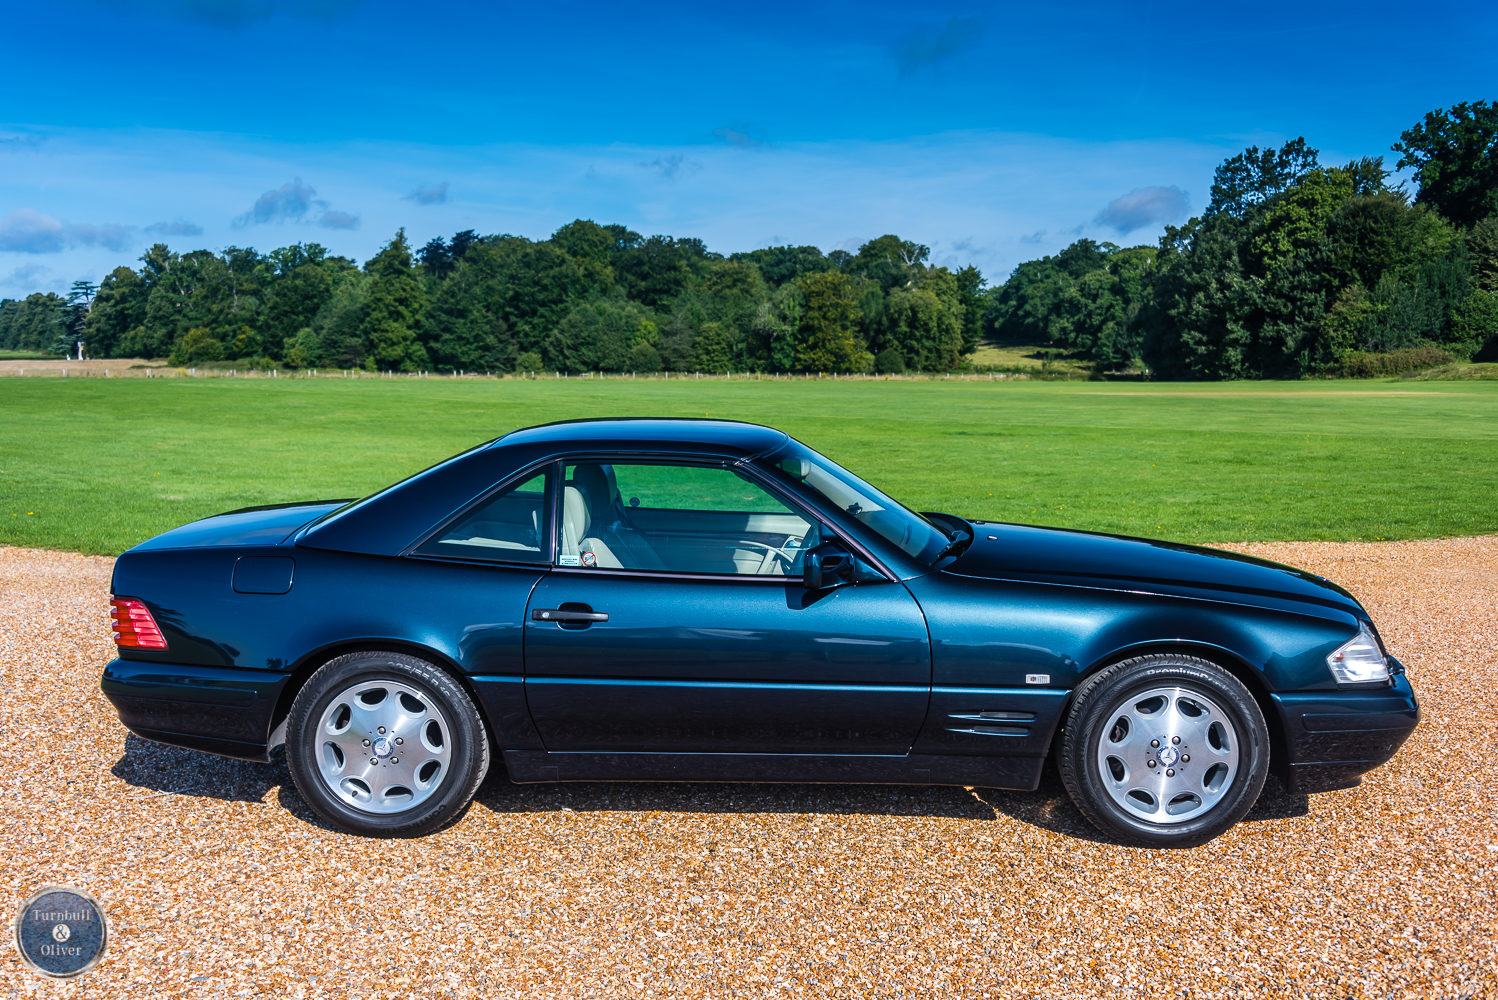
(1145, 207)
(26, 230)
(295, 201)
(25, 277)
(338, 220)
(176, 228)
(671, 167)
(288, 203)
(435, 194)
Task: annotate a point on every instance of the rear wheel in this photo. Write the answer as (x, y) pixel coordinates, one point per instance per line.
(1164, 750)
(385, 744)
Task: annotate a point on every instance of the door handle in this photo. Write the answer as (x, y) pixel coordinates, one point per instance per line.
(559, 615)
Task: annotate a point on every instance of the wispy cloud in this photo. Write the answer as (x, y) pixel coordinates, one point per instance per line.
(924, 49)
(288, 203)
(295, 201)
(28, 231)
(338, 220)
(15, 142)
(673, 166)
(1035, 237)
(1146, 206)
(176, 228)
(25, 276)
(436, 194)
(738, 137)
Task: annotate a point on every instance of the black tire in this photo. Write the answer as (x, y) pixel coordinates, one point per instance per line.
(375, 795)
(1129, 705)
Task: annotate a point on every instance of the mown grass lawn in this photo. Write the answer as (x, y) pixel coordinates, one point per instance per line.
(97, 466)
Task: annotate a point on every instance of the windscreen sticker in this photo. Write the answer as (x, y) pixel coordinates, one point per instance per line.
(589, 559)
(567, 561)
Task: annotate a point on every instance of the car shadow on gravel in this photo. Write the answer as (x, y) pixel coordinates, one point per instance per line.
(1048, 807)
(166, 770)
(501, 796)
(178, 771)
(1051, 808)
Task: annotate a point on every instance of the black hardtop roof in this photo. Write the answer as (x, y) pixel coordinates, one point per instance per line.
(391, 520)
(694, 432)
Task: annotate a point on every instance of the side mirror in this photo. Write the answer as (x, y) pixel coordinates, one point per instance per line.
(827, 565)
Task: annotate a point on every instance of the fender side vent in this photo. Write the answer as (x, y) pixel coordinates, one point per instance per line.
(993, 716)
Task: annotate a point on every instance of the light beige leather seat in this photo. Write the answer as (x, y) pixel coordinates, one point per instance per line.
(576, 520)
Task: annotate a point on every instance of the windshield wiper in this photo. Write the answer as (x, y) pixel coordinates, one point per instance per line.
(955, 539)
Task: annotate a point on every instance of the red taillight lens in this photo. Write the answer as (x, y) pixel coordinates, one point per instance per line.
(134, 628)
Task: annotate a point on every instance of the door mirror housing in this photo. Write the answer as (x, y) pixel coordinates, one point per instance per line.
(831, 565)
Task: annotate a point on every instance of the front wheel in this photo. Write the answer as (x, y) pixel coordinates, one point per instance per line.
(385, 744)
(1164, 751)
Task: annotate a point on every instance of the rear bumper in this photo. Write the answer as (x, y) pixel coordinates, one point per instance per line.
(215, 709)
(1332, 738)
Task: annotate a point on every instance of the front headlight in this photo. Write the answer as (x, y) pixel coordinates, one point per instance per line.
(1359, 660)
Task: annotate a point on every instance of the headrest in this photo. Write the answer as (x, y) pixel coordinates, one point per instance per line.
(575, 516)
(590, 479)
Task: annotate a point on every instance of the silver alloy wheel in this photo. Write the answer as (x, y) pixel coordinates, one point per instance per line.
(1167, 755)
(383, 746)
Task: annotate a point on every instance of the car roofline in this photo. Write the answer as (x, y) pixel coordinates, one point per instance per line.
(635, 420)
(781, 437)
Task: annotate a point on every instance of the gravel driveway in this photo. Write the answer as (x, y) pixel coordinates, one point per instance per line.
(221, 883)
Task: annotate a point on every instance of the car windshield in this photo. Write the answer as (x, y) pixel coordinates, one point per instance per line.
(899, 524)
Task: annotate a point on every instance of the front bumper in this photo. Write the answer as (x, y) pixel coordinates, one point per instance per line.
(216, 709)
(1332, 738)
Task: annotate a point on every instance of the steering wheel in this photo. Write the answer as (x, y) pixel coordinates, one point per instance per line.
(776, 552)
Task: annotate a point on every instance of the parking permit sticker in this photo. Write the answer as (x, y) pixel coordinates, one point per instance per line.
(589, 559)
(61, 931)
(567, 561)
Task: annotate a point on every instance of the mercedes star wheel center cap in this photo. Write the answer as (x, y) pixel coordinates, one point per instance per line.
(382, 746)
(1168, 755)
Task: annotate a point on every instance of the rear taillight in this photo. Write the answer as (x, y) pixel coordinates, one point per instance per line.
(134, 628)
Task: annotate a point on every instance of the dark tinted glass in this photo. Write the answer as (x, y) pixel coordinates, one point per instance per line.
(510, 527)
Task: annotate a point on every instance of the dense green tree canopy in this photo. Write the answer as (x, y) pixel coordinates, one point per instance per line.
(396, 302)
(591, 297)
(33, 323)
(1455, 156)
(1294, 268)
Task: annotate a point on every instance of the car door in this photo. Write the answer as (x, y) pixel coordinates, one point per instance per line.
(676, 621)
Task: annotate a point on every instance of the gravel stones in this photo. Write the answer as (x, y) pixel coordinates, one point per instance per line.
(219, 882)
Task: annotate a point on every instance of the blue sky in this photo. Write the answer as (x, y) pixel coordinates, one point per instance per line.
(993, 133)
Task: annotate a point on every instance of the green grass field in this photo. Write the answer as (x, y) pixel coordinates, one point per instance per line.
(97, 466)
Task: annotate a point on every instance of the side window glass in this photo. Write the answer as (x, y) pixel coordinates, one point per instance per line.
(678, 519)
(509, 527)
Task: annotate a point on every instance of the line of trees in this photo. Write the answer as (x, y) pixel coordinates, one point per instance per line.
(588, 298)
(1294, 269)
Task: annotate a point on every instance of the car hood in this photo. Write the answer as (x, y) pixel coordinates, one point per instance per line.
(1083, 558)
(249, 526)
